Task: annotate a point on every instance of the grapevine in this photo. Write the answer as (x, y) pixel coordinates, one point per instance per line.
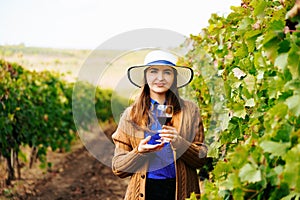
(248, 87)
(36, 112)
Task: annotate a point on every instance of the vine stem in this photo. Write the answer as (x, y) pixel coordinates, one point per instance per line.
(12, 157)
(18, 164)
(10, 169)
(255, 192)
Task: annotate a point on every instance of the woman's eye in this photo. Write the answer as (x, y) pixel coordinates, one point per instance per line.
(168, 72)
(153, 71)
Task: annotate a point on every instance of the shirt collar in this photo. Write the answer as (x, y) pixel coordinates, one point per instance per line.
(153, 101)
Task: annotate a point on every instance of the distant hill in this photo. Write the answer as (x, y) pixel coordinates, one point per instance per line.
(64, 61)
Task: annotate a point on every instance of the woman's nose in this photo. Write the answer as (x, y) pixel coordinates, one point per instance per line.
(160, 76)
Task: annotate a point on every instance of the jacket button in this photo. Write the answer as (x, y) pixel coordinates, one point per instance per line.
(143, 176)
(141, 195)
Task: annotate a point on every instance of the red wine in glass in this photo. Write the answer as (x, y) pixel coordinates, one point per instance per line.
(164, 114)
(164, 120)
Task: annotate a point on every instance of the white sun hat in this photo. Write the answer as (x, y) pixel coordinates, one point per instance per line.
(160, 58)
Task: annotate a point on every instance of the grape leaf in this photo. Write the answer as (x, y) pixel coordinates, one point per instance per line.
(281, 61)
(293, 104)
(293, 85)
(232, 182)
(294, 61)
(292, 196)
(241, 113)
(250, 173)
(250, 103)
(260, 9)
(291, 172)
(250, 82)
(275, 148)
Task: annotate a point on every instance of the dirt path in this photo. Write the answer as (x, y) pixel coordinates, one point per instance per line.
(81, 177)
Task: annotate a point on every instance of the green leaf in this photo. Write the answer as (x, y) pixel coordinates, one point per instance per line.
(275, 148)
(251, 37)
(231, 182)
(192, 197)
(242, 51)
(274, 174)
(239, 110)
(293, 85)
(277, 25)
(259, 9)
(244, 25)
(271, 45)
(222, 169)
(214, 150)
(293, 104)
(250, 173)
(235, 157)
(250, 82)
(281, 61)
(238, 194)
(252, 34)
(292, 196)
(278, 112)
(240, 113)
(250, 103)
(294, 61)
(283, 133)
(284, 46)
(268, 38)
(259, 60)
(291, 172)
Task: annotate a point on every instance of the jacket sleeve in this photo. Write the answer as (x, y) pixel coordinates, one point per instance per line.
(126, 160)
(192, 150)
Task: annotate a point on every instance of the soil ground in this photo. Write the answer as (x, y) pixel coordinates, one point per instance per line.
(74, 175)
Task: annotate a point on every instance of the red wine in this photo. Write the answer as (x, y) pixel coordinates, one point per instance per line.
(164, 120)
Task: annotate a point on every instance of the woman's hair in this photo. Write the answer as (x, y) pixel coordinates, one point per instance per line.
(140, 114)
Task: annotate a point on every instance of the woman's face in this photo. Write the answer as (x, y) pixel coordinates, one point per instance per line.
(160, 78)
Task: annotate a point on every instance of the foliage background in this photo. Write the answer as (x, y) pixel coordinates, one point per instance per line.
(248, 87)
(36, 112)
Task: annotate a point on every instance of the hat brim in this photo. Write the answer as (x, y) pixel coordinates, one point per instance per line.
(136, 75)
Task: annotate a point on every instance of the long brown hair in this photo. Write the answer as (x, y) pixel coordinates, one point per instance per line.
(140, 114)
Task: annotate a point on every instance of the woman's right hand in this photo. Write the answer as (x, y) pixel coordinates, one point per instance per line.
(144, 147)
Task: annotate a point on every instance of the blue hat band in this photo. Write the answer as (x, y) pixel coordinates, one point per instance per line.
(161, 62)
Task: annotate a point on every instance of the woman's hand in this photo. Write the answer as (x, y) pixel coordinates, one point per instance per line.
(144, 147)
(168, 134)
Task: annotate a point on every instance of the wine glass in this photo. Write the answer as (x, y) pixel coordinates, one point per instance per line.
(164, 114)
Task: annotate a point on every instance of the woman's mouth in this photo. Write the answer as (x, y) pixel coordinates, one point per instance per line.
(160, 84)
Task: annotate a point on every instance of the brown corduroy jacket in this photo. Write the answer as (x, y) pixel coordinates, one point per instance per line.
(189, 150)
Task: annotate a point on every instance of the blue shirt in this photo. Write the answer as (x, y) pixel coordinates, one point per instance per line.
(161, 164)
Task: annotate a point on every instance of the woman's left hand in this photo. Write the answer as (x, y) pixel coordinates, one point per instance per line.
(168, 134)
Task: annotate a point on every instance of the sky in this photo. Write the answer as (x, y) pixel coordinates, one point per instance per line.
(86, 24)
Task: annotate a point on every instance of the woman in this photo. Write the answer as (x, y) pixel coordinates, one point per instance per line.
(161, 160)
